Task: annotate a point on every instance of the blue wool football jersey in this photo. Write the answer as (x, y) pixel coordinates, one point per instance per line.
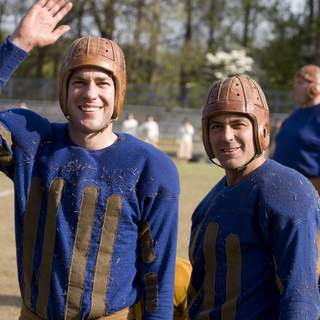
(96, 230)
(10, 58)
(298, 141)
(253, 249)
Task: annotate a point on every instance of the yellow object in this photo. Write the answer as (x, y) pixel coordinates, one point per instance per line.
(181, 282)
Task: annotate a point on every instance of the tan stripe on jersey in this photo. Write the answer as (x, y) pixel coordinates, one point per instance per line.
(80, 252)
(192, 294)
(151, 287)
(54, 198)
(278, 280)
(5, 158)
(30, 229)
(146, 242)
(6, 135)
(209, 248)
(233, 281)
(104, 260)
(192, 245)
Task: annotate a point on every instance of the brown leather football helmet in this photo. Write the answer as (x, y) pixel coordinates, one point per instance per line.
(238, 94)
(96, 52)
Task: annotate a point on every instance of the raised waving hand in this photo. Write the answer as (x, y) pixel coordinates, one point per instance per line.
(38, 28)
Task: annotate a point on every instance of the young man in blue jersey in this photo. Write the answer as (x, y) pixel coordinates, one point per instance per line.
(253, 239)
(298, 141)
(95, 211)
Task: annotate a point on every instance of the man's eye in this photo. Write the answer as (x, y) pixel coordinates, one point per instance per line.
(240, 125)
(77, 83)
(104, 83)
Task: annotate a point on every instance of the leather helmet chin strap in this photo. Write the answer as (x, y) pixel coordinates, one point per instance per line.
(241, 168)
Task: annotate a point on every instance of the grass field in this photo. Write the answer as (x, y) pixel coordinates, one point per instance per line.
(195, 178)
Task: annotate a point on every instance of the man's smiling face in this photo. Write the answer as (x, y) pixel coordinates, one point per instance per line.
(91, 98)
(231, 139)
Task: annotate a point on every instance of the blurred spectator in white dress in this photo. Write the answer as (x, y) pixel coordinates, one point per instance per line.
(130, 125)
(149, 131)
(184, 140)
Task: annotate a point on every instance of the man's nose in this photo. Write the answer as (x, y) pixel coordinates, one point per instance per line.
(91, 90)
(228, 133)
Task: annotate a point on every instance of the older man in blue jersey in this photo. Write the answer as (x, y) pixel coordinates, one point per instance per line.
(253, 239)
(95, 211)
(298, 141)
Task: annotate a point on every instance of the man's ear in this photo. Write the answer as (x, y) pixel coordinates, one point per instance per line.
(313, 90)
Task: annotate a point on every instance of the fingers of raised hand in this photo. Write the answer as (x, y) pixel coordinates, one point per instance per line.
(48, 13)
(59, 11)
(58, 32)
(54, 7)
(39, 25)
(41, 3)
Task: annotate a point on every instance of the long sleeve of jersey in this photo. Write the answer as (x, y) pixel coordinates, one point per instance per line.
(158, 234)
(291, 230)
(254, 251)
(96, 230)
(10, 58)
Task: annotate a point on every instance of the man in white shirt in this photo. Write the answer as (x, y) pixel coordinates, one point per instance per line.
(184, 140)
(149, 131)
(130, 125)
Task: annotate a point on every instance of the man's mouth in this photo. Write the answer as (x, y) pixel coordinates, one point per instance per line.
(230, 150)
(86, 108)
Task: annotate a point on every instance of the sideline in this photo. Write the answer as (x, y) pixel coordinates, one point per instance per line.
(5, 193)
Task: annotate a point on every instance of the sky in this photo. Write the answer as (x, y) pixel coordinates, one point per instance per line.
(297, 5)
